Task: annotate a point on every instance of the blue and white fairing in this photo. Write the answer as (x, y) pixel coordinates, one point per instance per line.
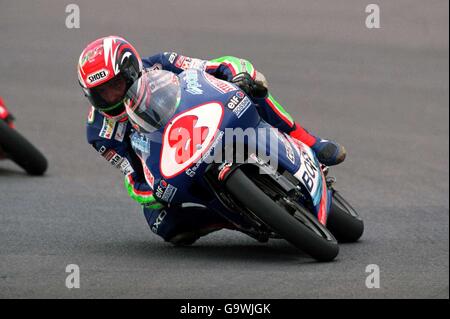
(174, 164)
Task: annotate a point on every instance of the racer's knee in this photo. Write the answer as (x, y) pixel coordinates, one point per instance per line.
(183, 226)
(156, 221)
(190, 237)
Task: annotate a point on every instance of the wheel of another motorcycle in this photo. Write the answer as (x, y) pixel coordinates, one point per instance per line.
(343, 221)
(298, 226)
(21, 151)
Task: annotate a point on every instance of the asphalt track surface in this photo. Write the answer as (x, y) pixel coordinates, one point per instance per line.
(382, 93)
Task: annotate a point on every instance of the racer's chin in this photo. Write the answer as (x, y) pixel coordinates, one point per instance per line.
(117, 114)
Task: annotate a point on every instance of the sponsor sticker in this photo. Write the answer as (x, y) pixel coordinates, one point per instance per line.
(186, 64)
(112, 157)
(221, 86)
(163, 81)
(90, 55)
(107, 128)
(125, 167)
(192, 84)
(165, 191)
(116, 160)
(149, 176)
(158, 221)
(287, 145)
(239, 103)
(120, 132)
(308, 174)
(235, 100)
(172, 57)
(140, 143)
(198, 64)
(97, 76)
(242, 107)
(91, 116)
(189, 63)
(179, 61)
(102, 150)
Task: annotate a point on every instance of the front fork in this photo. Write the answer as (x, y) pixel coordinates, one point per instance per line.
(216, 176)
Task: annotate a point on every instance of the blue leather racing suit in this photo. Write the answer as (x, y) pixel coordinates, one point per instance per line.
(111, 138)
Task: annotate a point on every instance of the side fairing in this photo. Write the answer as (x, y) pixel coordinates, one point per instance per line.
(175, 162)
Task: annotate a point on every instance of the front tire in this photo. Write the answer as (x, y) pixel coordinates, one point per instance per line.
(302, 229)
(22, 152)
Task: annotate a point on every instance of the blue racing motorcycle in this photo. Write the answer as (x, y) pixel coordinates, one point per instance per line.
(201, 140)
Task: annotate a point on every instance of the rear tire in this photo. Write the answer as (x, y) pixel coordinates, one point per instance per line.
(343, 221)
(22, 152)
(315, 239)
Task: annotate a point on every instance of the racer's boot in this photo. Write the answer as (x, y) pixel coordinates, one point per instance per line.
(329, 153)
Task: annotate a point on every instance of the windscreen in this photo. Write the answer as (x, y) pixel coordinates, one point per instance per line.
(152, 100)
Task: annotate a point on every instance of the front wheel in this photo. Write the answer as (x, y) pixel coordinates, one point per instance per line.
(343, 221)
(21, 151)
(289, 220)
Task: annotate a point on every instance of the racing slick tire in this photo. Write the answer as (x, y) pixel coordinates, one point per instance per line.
(301, 228)
(21, 151)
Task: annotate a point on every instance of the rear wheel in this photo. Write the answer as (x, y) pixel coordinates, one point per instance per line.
(22, 152)
(343, 221)
(288, 219)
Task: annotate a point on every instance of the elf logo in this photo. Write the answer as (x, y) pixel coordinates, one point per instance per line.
(235, 100)
(98, 76)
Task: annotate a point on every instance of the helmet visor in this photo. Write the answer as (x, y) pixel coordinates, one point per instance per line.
(109, 95)
(152, 100)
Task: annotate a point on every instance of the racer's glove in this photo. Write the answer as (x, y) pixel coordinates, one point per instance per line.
(255, 88)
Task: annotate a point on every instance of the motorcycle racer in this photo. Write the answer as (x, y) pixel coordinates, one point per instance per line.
(108, 66)
(5, 115)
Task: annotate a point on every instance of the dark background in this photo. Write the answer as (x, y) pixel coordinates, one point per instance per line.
(382, 93)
